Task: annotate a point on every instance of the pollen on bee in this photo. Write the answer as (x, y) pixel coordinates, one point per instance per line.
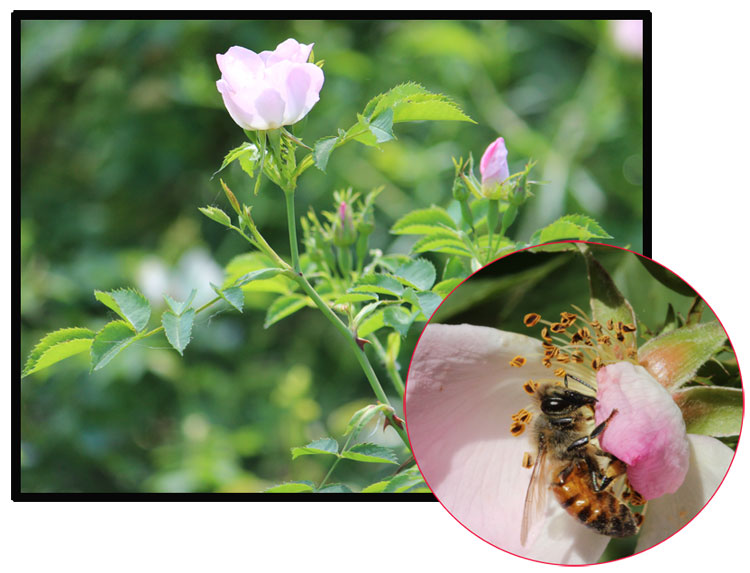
(527, 460)
(531, 319)
(518, 361)
(517, 428)
(560, 372)
(530, 386)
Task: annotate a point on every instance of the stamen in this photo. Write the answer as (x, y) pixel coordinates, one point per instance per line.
(557, 327)
(560, 372)
(545, 335)
(596, 363)
(531, 319)
(628, 328)
(577, 356)
(517, 428)
(527, 461)
(530, 387)
(518, 361)
(563, 358)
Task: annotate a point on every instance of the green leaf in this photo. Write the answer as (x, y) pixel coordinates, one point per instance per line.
(292, 487)
(335, 488)
(233, 295)
(711, 411)
(419, 274)
(216, 214)
(248, 151)
(388, 99)
(434, 109)
(444, 288)
(283, 307)
(382, 127)
(408, 480)
(180, 307)
(241, 267)
(109, 342)
(570, 227)
(378, 283)
(398, 318)
(424, 222)
(354, 297)
(322, 446)
(370, 453)
(371, 324)
(322, 151)
(441, 243)
(178, 328)
(428, 302)
(128, 304)
(675, 356)
(57, 346)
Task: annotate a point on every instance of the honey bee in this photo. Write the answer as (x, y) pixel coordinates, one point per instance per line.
(568, 463)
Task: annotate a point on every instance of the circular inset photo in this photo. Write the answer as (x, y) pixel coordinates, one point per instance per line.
(574, 403)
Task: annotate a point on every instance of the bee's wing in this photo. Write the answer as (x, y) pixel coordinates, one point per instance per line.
(536, 495)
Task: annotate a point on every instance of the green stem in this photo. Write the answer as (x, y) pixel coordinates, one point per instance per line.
(493, 208)
(197, 311)
(390, 366)
(372, 378)
(292, 224)
(336, 462)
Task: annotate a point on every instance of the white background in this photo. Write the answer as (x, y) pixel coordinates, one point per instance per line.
(700, 213)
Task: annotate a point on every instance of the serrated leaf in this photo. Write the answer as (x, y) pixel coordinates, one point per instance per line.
(57, 346)
(353, 297)
(292, 487)
(429, 110)
(216, 214)
(428, 302)
(233, 295)
(243, 265)
(128, 304)
(335, 488)
(424, 222)
(398, 318)
(711, 411)
(444, 288)
(419, 274)
(178, 328)
(284, 306)
(371, 453)
(109, 342)
(404, 482)
(371, 324)
(246, 150)
(322, 151)
(382, 126)
(578, 227)
(180, 307)
(388, 99)
(378, 283)
(322, 446)
(441, 243)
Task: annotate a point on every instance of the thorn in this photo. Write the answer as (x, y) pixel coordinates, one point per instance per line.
(398, 422)
(361, 342)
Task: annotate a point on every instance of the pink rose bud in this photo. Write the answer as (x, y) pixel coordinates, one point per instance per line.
(267, 90)
(494, 166)
(647, 432)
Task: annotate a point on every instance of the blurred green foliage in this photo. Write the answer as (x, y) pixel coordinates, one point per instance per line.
(122, 128)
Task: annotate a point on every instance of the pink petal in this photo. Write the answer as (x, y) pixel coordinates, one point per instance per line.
(709, 463)
(647, 433)
(494, 164)
(270, 106)
(460, 394)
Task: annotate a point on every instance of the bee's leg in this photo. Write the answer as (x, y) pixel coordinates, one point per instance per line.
(580, 442)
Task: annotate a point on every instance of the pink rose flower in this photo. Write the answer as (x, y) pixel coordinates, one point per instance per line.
(494, 165)
(628, 37)
(271, 89)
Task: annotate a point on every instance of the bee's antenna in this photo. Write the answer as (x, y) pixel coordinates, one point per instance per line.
(579, 381)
